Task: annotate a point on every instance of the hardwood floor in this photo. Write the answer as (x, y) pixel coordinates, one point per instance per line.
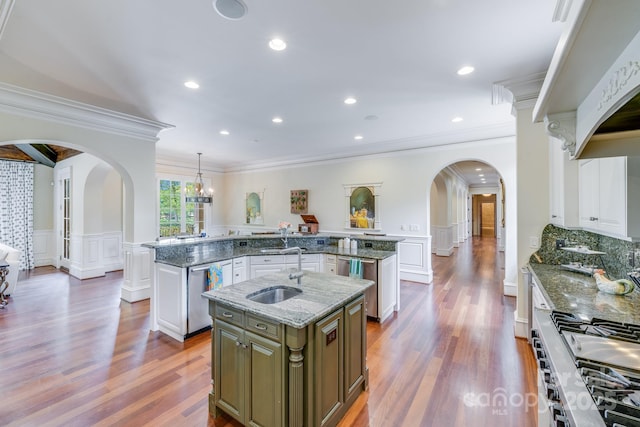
(73, 354)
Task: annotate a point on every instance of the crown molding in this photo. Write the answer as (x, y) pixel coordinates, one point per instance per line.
(386, 148)
(561, 11)
(5, 11)
(520, 92)
(39, 105)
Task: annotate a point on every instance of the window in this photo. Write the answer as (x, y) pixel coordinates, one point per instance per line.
(176, 215)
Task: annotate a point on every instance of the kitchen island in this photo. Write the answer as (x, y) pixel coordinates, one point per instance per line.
(301, 361)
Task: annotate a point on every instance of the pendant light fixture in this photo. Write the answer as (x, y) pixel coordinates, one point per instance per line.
(198, 194)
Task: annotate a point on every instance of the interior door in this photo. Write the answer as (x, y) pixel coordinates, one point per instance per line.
(64, 219)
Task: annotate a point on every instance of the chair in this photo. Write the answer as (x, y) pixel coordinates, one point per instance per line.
(12, 257)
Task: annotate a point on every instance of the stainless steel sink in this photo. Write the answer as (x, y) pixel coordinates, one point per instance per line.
(274, 294)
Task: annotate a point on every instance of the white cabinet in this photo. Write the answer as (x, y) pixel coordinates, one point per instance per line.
(266, 264)
(171, 300)
(239, 269)
(387, 287)
(563, 187)
(330, 264)
(310, 262)
(608, 192)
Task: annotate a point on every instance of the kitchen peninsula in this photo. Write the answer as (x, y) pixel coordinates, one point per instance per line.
(176, 302)
(300, 361)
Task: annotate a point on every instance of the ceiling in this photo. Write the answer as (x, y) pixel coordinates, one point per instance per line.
(45, 154)
(398, 59)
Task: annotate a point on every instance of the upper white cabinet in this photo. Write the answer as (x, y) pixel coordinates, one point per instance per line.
(608, 192)
(563, 185)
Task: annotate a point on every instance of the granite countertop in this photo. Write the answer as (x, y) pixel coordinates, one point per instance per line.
(321, 294)
(578, 294)
(207, 257)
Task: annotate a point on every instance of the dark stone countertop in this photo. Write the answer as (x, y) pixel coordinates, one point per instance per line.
(222, 254)
(321, 294)
(578, 294)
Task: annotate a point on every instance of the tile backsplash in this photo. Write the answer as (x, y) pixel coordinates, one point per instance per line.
(616, 258)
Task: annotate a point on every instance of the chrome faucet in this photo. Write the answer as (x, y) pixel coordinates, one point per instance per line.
(284, 233)
(298, 274)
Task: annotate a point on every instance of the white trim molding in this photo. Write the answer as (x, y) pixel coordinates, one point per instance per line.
(94, 255)
(443, 241)
(44, 247)
(5, 11)
(414, 257)
(39, 105)
(510, 289)
(138, 277)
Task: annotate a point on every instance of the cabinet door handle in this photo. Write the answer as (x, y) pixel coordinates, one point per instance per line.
(261, 326)
(267, 260)
(554, 216)
(593, 218)
(227, 315)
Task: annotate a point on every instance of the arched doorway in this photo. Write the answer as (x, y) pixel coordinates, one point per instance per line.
(466, 200)
(126, 143)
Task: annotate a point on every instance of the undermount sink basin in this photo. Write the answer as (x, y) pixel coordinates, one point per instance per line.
(274, 294)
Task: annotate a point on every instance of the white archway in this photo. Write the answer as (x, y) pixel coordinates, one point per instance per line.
(125, 142)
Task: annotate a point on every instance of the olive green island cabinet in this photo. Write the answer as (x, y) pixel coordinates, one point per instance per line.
(299, 362)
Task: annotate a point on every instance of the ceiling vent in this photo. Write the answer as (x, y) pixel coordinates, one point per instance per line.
(230, 9)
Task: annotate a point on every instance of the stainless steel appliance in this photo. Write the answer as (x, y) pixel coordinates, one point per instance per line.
(369, 272)
(198, 318)
(593, 368)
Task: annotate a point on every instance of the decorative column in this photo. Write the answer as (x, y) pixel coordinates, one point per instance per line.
(296, 340)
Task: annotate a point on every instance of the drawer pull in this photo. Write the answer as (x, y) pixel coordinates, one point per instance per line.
(227, 315)
(261, 326)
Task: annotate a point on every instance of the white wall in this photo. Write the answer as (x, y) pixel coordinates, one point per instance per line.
(405, 193)
(533, 200)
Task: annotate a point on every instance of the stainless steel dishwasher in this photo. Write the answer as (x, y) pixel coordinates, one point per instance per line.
(198, 306)
(369, 272)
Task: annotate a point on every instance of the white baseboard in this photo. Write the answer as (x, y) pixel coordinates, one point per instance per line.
(510, 289)
(135, 295)
(420, 277)
(521, 326)
(86, 273)
(444, 252)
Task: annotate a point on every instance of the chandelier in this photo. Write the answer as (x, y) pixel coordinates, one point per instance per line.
(198, 194)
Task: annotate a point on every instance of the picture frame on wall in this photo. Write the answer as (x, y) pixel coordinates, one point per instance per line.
(299, 201)
(254, 208)
(362, 206)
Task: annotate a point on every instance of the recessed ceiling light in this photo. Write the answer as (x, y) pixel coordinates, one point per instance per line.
(277, 120)
(230, 9)
(224, 132)
(481, 174)
(467, 69)
(277, 44)
(350, 100)
(191, 84)
(478, 169)
(457, 119)
(358, 137)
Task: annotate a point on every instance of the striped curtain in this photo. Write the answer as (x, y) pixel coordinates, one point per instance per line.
(16, 209)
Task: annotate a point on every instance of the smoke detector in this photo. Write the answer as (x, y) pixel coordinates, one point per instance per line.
(230, 9)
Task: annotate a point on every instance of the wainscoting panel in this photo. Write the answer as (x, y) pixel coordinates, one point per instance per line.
(44, 247)
(444, 239)
(415, 259)
(93, 255)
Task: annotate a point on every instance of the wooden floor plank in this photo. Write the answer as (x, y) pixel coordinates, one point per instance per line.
(73, 354)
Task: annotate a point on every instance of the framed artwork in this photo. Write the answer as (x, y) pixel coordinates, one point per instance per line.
(299, 201)
(362, 206)
(254, 208)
